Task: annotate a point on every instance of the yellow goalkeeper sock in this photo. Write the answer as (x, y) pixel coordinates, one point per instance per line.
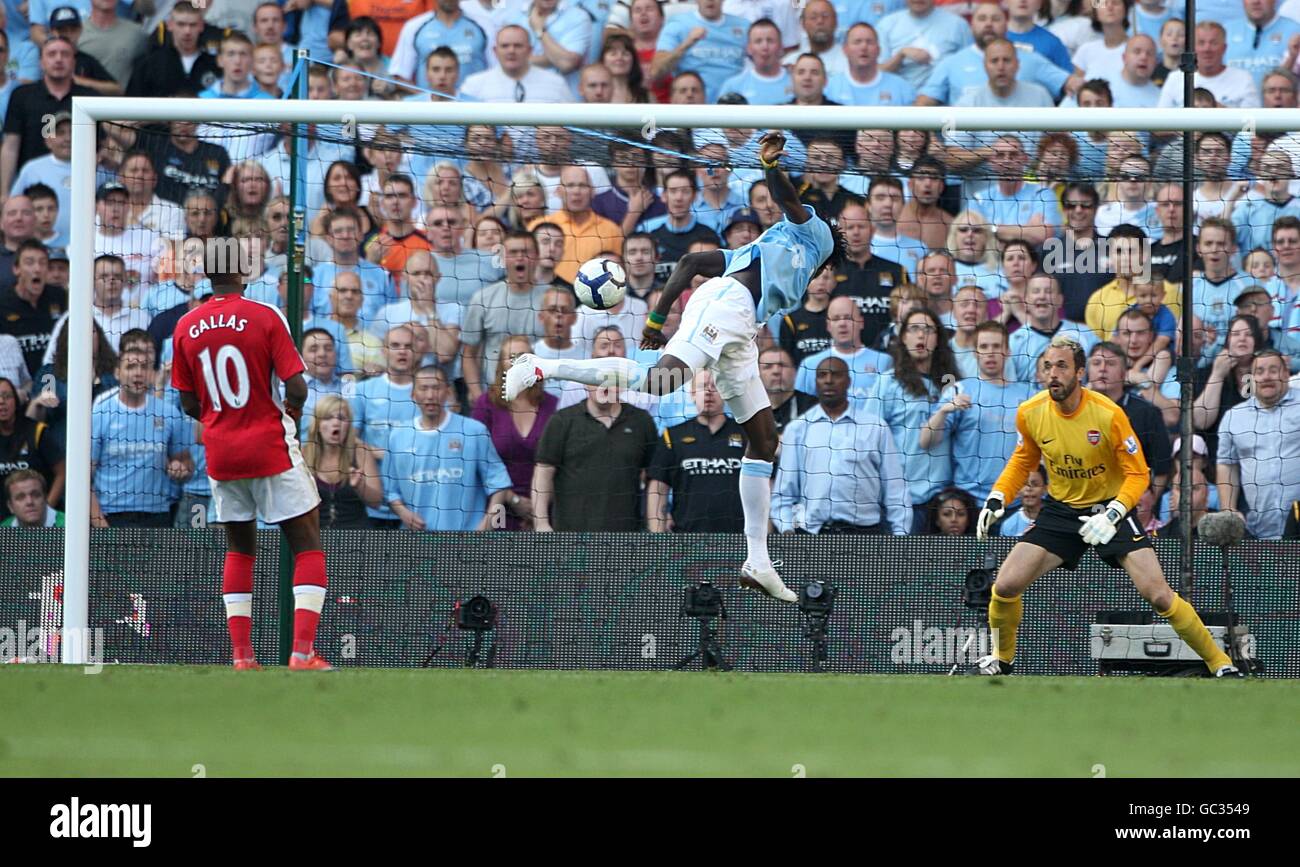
(1004, 620)
(1187, 623)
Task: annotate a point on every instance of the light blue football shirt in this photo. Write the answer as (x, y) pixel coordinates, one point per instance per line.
(716, 57)
(788, 254)
(444, 475)
(130, 448)
(984, 436)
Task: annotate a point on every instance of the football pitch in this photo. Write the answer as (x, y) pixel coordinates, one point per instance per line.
(186, 721)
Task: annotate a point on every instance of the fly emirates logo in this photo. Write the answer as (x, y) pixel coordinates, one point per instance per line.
(1074, 468)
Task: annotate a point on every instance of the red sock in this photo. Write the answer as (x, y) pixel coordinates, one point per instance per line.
(237, 588)
(308, 571)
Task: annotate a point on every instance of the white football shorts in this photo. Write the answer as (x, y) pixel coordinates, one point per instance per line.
(272, 498)
(717, 333)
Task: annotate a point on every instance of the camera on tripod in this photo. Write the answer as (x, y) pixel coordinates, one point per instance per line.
(703, 601)
(817, 599)
(476, 614)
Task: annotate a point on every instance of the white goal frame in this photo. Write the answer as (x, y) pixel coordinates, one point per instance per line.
(88, 111)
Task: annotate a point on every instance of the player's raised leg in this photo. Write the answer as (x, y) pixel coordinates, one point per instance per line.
(237, 592)
(309, 583)
(1144, 568)
(1025, 564)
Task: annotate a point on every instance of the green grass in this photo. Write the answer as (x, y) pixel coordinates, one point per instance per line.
(162, 721)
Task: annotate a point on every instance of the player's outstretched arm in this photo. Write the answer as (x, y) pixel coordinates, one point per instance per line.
(771, 149)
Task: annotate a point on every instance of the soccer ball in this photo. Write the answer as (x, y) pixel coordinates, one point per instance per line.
(601, 284)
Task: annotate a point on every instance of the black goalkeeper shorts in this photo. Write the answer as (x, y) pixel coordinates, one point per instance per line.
(1057, 530)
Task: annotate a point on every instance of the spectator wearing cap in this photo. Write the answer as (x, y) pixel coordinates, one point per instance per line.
(764, 81)
(1256, 301)
(840, 469)
(1108, 375)
(741, 229)
(136, 245)
(112, 40)
(819, 185)
(717, 200)
(698, 461)
(54, 170)
(864, 82)
(914, 39)
(65, 22)
(444, 24)
(179, 63)
(678, 229)
(1259, 452)
(26, 502)
(31, 104)
(703, 40)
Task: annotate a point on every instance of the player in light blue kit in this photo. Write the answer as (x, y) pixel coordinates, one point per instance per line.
(748, 285)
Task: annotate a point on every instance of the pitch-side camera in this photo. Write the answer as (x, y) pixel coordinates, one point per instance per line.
(817, 598)
(702, 601)
(476, 614)
(977, 591)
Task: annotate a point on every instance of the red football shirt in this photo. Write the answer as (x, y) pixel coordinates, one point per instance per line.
(232, 354)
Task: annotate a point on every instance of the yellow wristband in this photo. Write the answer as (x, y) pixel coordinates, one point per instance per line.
(654, 326)
(765, 164)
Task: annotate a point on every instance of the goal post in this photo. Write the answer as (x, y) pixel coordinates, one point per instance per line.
(88, 112)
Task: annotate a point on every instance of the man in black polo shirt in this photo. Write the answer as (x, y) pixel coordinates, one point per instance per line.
(32, 104)
(777, 372)
(28, 311)
(589, 464)
(808, 79)
(699, 461)
(867, 279)
(804, 331)
(181, 63)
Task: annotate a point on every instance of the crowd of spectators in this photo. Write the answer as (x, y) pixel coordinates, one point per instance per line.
(434, 257)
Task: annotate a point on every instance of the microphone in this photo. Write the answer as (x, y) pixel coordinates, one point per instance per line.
(1222, 529)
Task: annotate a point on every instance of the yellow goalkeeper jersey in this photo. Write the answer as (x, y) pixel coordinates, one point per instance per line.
(1092, 455)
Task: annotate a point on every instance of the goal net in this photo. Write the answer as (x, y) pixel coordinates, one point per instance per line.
(416, 246)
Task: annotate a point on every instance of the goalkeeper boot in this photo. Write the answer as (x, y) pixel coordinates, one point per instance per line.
(521, 376)
(311, 663)
(765, 580)
(1230, 671)
(992, 666)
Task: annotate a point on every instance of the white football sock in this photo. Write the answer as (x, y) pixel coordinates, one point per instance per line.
(612, 372)
(756, 500)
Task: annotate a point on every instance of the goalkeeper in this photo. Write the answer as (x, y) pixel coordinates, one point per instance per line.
(1096, 474)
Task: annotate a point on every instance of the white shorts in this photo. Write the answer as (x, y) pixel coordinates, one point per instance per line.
(717, 333)
(272, 498)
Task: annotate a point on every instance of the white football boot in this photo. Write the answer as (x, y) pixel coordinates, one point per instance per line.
(521, 376)
(766, 580)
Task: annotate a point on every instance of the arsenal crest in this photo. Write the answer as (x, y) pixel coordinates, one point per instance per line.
(1094, 437)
